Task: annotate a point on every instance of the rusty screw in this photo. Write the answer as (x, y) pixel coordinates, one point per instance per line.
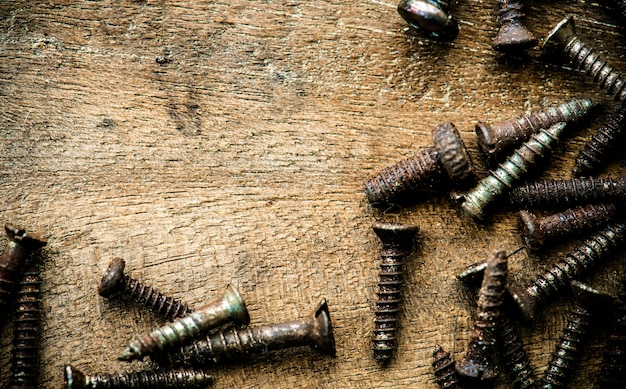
(500, 139)
(430, 17)
(563, 39)
(512, 35)
(115, 282)
(397, 240)
(445, 372)
(613, 367)
(537, 231)
(145, 379)
(230, 308)
(428, 169)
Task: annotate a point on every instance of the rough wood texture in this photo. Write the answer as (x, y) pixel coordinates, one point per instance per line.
(227, 141)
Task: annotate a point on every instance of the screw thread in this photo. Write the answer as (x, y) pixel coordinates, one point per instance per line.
(164, 306)
(443, 368)
(514, 355)
(613, 367)
(176, 379)
(510, 11)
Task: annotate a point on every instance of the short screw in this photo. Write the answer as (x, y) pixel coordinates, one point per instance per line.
(315, 332)
(613, 367)
(397, 240)
(509, 172)
(478, 363)
(445, 372)
(512, 35)
(578, 191)
(587, 302)
(496, 141)
(145, 379)
(603, 145)
(430, 17)
(430, 168)
(563, 39)
(115, 282)
(575, 263)
(230, 308)
(537, 231)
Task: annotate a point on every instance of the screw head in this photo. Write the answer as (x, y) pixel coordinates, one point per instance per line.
(514, 36)
(560, 35)
(113, 277)
(429, 17)
(324, 341)
(396, 233)
(532, 234)
(452, 152)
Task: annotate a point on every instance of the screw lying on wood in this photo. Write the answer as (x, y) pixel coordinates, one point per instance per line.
(509, 172)
(230, 308)
(146, 379)
(443, 367)
(613, 367)
(512, 35)
(315, 332)
(115, 282)
(430, 17)
(500, 139)
(537, 231)
(563, 39)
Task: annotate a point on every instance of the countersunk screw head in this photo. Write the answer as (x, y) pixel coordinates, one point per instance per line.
(430, 17)
(512, 35)
(560, 35)
(112, 279)
(322, 330)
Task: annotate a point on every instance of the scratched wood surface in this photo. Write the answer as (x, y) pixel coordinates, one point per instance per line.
(222, 142)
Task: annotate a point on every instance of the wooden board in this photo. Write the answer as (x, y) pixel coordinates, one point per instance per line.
(222, 142)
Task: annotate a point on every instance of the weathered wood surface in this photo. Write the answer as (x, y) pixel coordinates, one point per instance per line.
(239, 157)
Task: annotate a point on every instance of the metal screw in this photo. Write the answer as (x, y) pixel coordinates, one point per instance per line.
(509, 172)
(499, 140)
(478, 363)
(512, 35)
(443, 367)
(602, 145)
(587, 301)
(426, 170)
(315, 332)
(563, 39)
(115, 282)
(230, 308)
(537, 231)
(13, 258)
(397, 240)
(573, 265)
(430, 17)
(613, 366)
(145, 379)
(551, 193)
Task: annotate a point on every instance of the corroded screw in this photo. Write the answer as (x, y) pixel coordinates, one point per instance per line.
(537, 231)
(478, 363)
(496, 141)
(578, 191)
(509, 172)
(587, 302)
(230, 308)
(145, 379)
(397, 240)
(13, 258)
(512, 35)
(428, 169)
(613, 367)
(115, 282)
(316, 332)
(430, 17)
(563, 39)
(603, 145)
(445, 372)
(575, 263)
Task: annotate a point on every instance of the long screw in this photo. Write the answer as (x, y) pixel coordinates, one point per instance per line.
(397, 240)
(509, 172)
(575, 263)
(145, 379)
(444, 369)
(563, 39)
(512, 35)
(430, 17)
(230, 308)
(613, 367)
(315, 331)
(115, 282)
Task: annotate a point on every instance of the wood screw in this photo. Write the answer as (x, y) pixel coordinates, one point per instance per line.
(512, 35)
(145, 379)
(444, 370)
(430, 17)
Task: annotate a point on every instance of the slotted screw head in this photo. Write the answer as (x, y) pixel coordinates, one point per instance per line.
(430, 17)
(512, 35)
(452, 153)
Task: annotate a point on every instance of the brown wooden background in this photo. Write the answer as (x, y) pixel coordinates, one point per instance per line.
(240, 158)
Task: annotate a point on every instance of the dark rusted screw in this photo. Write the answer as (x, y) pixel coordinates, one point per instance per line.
(578, 191)
(509, 172)
(443, 367)
(478, 363)
(537, 231)
(575, 263)
(315, 332)
(397, 240)
(613, 367)
(430, 168)
(512, 35)
(500, 139)
(115, 282)
(13, 258)
(145, 379)
(231, 308)
(603, 145)
(430, 17)
(563, 39)
(587, 302)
